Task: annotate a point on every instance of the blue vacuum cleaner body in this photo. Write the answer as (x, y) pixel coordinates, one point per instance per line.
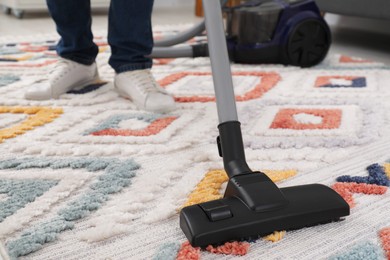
(289, 32)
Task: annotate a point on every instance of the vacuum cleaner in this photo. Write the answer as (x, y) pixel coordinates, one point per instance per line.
(289, 32)
(253, 205)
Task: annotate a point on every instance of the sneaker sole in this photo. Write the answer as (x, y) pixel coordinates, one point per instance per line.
(79, 85)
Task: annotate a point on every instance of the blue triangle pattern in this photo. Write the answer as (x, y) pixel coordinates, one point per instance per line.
(362, 251)
(20, 193)
(117, 175)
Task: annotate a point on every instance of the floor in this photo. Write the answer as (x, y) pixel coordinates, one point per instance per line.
(365, 38)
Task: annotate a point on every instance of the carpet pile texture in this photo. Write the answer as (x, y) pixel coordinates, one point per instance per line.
(88, 176)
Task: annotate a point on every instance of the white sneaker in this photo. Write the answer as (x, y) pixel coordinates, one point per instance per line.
(141, 87)
(66, 75)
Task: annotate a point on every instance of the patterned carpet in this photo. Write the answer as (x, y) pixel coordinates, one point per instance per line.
(90, 177)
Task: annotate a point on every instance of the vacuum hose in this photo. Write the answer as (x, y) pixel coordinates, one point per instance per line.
(182, 36)
(170, 52)
(193, 51)
(163, 47)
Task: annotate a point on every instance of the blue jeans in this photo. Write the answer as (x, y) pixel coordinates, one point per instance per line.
(129, 32)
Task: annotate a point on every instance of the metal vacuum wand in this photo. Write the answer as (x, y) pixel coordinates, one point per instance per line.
(220, 63)
(230, 142)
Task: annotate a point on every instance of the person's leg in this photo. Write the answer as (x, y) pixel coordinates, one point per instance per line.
(73, 21)
(76, 67)
(131, 40)
(130, 34)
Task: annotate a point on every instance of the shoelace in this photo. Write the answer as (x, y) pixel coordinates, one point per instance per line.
(147, 82)
(61, 68)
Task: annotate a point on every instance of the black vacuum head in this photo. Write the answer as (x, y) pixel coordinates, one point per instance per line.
(231, 218)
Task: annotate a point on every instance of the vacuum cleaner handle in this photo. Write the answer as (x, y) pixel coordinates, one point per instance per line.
(222, 76)
(230, 142)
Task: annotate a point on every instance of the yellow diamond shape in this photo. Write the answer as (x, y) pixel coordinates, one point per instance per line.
(38, 116)
(19, 58)
(209, 187)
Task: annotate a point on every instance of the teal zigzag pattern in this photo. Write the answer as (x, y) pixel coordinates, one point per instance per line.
(167, 251)
(8, 79)
(113, 121)
(21, 192)
(117, 175)
(365, 250)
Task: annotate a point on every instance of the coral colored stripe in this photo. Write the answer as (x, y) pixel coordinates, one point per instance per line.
(284, 119)
(230, 248)
(162, 61)
(35, 48)
(100, 44)
(346, 59)
(187, 252)
(154, 128)
(385, 238)
(267, 82)
(346, 190)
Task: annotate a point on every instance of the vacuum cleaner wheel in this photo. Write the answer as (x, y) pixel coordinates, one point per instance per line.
(308, 43)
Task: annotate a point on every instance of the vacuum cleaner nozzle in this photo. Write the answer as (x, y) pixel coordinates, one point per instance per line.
(245, 214)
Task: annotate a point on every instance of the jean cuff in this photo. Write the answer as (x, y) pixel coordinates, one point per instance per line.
(81, 60)
(134, 66)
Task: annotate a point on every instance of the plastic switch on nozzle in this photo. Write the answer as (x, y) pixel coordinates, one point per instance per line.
(216, 210)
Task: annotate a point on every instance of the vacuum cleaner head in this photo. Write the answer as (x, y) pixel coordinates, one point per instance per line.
(237, 218)
(289, 32)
